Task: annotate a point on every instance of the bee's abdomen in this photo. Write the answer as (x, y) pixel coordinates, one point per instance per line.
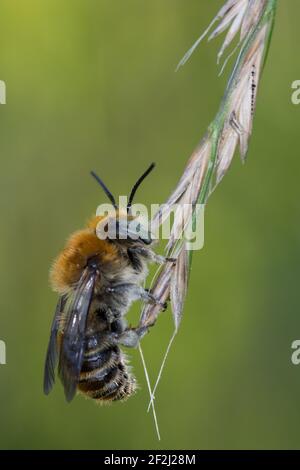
(105, 375)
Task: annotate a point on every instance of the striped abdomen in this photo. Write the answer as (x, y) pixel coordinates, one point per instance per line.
(105, 375)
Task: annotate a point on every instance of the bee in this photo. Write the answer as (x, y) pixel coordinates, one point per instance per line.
(97, 281)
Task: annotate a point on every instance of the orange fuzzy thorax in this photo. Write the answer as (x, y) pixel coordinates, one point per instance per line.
(82, 245)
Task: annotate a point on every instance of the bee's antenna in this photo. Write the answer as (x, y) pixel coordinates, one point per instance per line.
(105, 189)
(137, 184)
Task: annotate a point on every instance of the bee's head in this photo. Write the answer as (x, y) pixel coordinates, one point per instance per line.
(120, 224)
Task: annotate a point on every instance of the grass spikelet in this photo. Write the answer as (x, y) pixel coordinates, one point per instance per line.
(230, 131)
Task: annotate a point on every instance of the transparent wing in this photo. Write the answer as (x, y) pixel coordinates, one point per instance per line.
(72, 347)
(52, 352)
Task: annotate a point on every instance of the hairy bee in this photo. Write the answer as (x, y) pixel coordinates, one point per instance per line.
(97, 280)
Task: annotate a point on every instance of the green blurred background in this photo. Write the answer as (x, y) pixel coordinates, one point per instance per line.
(91, 85)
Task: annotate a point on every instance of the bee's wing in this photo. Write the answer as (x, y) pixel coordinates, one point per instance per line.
(52, 352)
(72, 347)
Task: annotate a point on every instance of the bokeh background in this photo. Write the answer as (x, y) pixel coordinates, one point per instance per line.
(91, 85)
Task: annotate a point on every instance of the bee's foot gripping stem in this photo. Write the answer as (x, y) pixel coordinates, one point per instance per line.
(132, 336)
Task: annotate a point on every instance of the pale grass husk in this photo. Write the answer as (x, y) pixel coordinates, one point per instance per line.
(230, 130)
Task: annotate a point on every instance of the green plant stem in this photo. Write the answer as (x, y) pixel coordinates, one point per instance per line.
(216, 127)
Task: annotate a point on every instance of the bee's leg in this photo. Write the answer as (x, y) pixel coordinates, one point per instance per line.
(137, 293)
(131, 337)
(152, 256)
(120, 288)
(146, 296)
